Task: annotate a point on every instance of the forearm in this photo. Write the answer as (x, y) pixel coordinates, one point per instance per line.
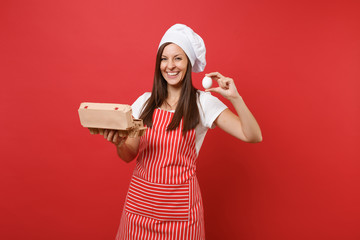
(249, 125)
(128, 150)
(243, 125)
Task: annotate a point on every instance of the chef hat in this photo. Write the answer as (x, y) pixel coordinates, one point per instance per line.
(190, 42)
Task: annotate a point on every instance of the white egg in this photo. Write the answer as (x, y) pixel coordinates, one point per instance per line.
(207, 82)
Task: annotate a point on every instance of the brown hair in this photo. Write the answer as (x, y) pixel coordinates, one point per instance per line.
(186, 108)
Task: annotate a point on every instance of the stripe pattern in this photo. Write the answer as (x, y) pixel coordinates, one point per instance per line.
(167, 156)
(164, 199)
(163, 202)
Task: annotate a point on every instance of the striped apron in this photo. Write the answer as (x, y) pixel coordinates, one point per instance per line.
(164, 200)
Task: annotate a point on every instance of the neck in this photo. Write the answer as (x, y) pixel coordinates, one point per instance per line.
(173, 93)
(173, 97)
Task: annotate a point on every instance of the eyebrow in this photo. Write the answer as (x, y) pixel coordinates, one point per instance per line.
(174, 56)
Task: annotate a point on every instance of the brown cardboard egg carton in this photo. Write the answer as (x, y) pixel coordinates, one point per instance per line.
(100, 116)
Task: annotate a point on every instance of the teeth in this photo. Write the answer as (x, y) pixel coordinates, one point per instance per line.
(172, 74)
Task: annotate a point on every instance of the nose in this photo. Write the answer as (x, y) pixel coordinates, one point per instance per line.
(170, 64)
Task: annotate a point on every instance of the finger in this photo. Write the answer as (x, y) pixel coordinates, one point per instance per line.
(101, 131)
(111, 134)
(96, 131)
(214, 75)
(221, 83)
(115, 138)
(122, 133)
(91, 131)
(225, 83)
(216, 90)
(106, 132)
(229, 81)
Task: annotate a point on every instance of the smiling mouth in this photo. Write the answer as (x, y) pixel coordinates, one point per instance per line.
(173, 73)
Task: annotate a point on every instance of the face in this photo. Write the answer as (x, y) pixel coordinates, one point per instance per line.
(173, 64)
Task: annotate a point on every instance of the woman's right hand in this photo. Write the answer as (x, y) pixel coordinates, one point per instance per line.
(114, 136)
(126, 152)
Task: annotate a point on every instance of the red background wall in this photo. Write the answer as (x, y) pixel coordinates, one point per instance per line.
(296, 64)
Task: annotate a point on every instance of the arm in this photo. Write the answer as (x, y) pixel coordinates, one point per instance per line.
(127, 148)
(243, 125)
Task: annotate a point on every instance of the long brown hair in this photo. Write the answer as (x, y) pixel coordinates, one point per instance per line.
(186, 108)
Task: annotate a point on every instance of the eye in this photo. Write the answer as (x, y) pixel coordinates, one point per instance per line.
(178, 58)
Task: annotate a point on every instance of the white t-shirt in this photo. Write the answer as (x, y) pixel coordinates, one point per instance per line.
(209, 106)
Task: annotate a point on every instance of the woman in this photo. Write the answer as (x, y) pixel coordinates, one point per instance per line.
(164, 200)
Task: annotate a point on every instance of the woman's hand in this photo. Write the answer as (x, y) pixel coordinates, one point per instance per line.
(226, 86)
(243, 125)
(126, 152)
(116, 137)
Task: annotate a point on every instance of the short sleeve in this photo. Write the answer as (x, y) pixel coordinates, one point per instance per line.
(211, 107)
(138, 105)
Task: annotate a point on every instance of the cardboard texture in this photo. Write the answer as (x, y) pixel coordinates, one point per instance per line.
(99, 116)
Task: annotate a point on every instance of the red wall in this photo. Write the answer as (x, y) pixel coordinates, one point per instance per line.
(296, 64)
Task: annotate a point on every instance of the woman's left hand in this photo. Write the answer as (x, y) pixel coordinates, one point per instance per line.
(226, 86)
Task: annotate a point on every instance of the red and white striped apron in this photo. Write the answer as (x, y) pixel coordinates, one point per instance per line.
(164, 200)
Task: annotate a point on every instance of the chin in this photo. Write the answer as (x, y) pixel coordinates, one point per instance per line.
(174, 84)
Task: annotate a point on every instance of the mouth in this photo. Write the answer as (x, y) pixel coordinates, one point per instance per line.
(172, 74)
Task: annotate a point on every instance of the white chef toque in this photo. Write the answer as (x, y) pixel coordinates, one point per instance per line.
(190, 42)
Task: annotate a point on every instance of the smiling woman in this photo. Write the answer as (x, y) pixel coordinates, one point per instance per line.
(164, 199)
(173, 65)
(173, 92)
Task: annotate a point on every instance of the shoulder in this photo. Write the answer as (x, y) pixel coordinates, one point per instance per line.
(142, 99)
(145, 96)
(209, 107)
(138, 105)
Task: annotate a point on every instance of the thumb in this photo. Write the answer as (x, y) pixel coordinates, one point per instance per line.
(216, 90)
